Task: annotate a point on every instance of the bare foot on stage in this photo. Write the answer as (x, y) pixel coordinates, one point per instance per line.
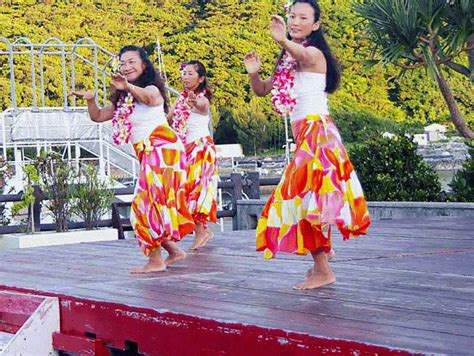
(175, 257)
(209, 237)
(175, 254)
(200, 236)
(155, 264)
(198, 241)
(316, 280)
(149, 268)
(331, 255)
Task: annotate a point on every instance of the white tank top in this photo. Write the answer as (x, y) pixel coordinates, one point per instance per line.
(311, 96)
(145, 119)
(197, 126)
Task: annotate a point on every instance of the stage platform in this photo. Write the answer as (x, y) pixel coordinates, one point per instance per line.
(407, 287)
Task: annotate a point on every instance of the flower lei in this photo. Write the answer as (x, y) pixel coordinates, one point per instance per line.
(181, 113)
(283, 94)
(120, 123)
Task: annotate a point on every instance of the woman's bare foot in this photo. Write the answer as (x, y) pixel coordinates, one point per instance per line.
(321, 273)
(331, 255)
(149, 268)
(198, 241)
(155, 264)
(175, 257)
(209, 237)
(175, 254)
(316, 280)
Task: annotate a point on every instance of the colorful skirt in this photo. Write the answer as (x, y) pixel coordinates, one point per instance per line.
(159, 209)
(319, 188)
(202, 180)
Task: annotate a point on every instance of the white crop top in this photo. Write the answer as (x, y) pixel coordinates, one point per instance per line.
(145, 119)
(311, 96)
(197, 126)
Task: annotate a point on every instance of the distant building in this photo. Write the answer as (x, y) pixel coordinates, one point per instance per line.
(421, 139)
(435, 132)
(229, 151)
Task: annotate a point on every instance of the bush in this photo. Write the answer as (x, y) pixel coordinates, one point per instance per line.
(251, 125)
(462, 184)
(362, 126)
(91, 197)
(28, 197)
(391, 170)
(56, 177)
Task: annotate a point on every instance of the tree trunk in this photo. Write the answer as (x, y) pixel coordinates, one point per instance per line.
(456, 116)
(470, 54)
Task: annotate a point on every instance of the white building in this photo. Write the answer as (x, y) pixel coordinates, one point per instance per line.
(435, 132)
(421, 139)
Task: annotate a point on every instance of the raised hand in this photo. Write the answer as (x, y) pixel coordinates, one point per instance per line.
(86, 95)
(252, 62)
(278, 28)
(191, 99)
(119, 81)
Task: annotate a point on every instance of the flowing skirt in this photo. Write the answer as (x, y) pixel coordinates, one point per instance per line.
(319, 188)
(159, 209)
(202, 180)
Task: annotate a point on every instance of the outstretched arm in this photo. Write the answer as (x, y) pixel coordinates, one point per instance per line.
(149, 95)
(97, 114)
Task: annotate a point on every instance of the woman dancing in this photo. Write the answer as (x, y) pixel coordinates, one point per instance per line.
(319, 188)
(159, 213)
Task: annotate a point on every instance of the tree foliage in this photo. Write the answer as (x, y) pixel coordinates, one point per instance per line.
(462, 184)
(429, 34)
(220, 32)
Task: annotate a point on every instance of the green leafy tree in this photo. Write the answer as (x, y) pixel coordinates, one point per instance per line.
(219, 33)
(462, 184)
(429, 34)
(391, 170)
(251, 125)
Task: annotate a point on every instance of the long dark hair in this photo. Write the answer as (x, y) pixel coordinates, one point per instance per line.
(316, 39)
(150, 76)
(201, 71)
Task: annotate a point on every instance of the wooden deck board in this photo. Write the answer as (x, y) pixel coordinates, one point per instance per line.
(408, 285)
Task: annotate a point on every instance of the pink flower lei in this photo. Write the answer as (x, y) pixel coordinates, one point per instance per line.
(120, 123)
(283, 94)
(181, 113)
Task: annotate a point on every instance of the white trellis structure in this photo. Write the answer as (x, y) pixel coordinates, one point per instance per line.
(40, 125)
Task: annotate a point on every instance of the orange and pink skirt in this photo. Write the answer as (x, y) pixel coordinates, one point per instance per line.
(202, 180)
(319, 188)
(159, 208)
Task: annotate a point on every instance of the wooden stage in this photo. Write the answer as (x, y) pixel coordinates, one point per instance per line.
(408, 287)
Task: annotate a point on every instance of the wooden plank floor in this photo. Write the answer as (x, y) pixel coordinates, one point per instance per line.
(408, 285)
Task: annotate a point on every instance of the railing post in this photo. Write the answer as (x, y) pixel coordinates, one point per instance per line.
(253, 190)
(236, 178)
(38, 194)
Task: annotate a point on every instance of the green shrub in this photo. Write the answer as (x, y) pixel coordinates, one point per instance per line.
(56, 177)
(391, 170)
(91, 197)
(462, 184)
